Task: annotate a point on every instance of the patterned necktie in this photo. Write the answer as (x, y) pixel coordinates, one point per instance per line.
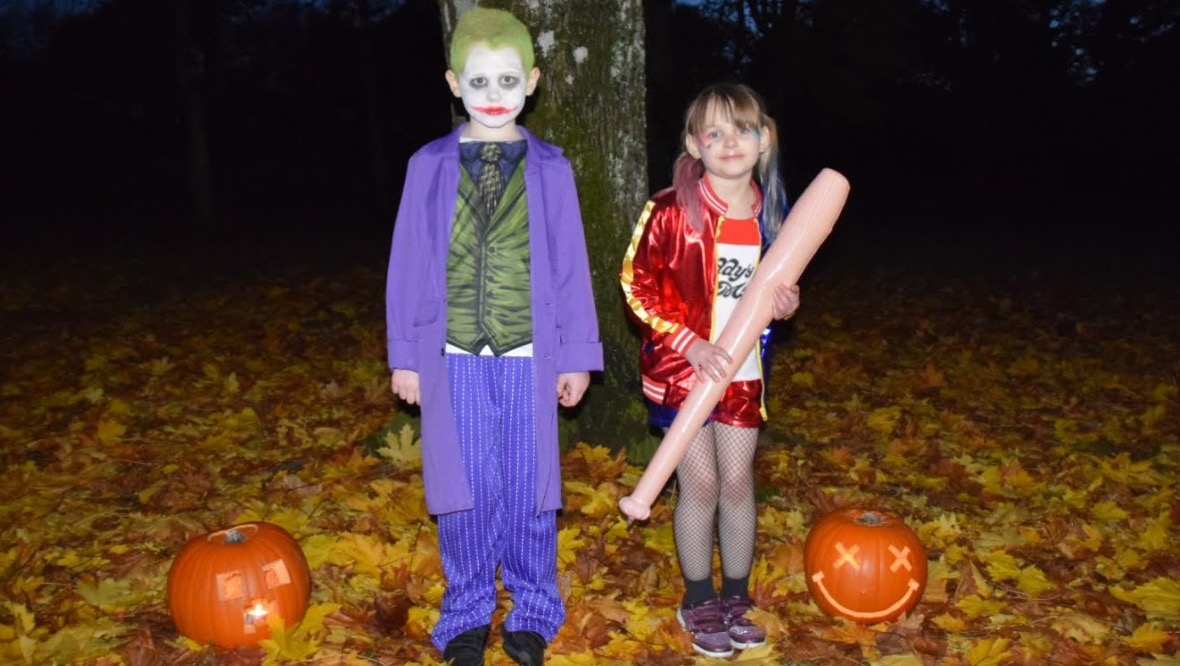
(491, 176)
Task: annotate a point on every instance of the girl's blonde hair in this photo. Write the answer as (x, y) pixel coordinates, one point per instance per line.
(746, 110)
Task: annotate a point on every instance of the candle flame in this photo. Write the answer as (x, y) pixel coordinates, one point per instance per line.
(258, 612)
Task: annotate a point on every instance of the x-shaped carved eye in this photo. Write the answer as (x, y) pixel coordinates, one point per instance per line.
(902, 559)
(847, 555)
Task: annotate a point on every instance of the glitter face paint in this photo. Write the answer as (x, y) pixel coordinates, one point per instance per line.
(728, 151)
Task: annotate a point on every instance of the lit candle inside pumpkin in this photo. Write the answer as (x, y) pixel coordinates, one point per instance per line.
(257, 615)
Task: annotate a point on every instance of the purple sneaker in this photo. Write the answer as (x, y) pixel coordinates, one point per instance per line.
(706, 622)
(743, 634)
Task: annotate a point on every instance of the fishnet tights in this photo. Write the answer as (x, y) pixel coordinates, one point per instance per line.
(716, 493)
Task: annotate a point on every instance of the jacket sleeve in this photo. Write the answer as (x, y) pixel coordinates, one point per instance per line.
(402, 294)
(578, 346)
(641, 279)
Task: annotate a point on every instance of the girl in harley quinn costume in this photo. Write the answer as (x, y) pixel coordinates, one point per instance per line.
(693, 252)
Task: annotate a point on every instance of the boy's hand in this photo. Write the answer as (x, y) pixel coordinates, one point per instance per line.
(786, 300)
(571, 386)
(405, 385)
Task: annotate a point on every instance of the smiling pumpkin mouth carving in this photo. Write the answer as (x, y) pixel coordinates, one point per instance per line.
(866, 566)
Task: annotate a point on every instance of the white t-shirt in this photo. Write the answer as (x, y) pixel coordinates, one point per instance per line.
(739, 245)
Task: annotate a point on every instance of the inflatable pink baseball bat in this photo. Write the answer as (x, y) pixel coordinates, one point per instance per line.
(806, 227)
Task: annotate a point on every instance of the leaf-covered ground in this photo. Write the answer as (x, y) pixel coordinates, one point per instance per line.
(1023, 422)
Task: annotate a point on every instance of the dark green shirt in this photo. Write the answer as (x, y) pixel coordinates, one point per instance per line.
(488, 280)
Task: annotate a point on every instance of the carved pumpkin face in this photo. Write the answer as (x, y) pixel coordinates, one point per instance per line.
(224, 586)
(865, 566)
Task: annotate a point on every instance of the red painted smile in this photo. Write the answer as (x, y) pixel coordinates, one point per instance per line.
(493, 110)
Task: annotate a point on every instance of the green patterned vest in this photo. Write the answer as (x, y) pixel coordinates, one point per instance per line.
(489, 289)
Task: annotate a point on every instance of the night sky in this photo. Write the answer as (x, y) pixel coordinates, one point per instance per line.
(1033, 126)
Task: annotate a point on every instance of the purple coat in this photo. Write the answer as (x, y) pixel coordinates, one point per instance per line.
(565, 327)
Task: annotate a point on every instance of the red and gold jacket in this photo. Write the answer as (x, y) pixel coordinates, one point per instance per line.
(669, 279)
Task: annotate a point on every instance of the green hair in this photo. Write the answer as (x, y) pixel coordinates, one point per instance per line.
(496, 28)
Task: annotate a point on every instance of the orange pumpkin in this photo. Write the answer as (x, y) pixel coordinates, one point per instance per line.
(223, 586)
(866, 566)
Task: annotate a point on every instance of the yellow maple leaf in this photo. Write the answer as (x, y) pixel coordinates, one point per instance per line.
(773, 623)
(941, 531)
(578, 659)
(118, 408)
(298, 642)
(403, 450)
(1094, 537)
(1123, 470)
(1149, 637)
(1024, 367)
(365, 553)
(884, 419)
(1016, 476)
(105, 594)
(1033, 582)
(937, 577)
(1129, 559)
(1160, 598)
(1109, 511)
(244, 421)
(949, 623)
(1159, 660)
(1001, 565)
(420, 620)
(851, 633)
(317, 549)
(284, 645)
(569, 542)
(908, 659)
(803, 379)
(763, 655)
(598, 502)
(660, 539)
(1157, 535)
(974, 607)
(1153, 416)
(593, 455)
(1081, 628)
(989, 652)
(642, 623)
(110, 432)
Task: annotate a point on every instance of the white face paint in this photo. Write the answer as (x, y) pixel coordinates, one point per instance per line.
(493, 85)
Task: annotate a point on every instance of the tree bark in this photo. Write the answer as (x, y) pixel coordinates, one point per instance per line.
(591, 102)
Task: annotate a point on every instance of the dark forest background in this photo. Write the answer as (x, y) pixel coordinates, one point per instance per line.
(964, 121)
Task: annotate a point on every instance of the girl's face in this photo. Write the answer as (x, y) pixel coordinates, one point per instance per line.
(493, 85)
(727, 150)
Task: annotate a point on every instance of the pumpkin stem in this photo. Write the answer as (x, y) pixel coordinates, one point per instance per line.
(234, 535)
(870, 518)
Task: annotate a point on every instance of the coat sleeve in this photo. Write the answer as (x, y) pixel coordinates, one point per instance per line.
(578, 346)
(646, 260)
(402, 294)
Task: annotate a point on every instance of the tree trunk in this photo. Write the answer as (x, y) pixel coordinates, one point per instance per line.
(591, 103)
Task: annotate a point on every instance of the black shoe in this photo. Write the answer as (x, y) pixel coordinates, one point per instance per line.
(526, 648)
(467, 648)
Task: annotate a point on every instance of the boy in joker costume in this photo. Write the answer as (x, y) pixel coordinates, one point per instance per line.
(491, 324)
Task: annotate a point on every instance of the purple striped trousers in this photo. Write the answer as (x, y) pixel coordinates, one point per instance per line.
(492, 397)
